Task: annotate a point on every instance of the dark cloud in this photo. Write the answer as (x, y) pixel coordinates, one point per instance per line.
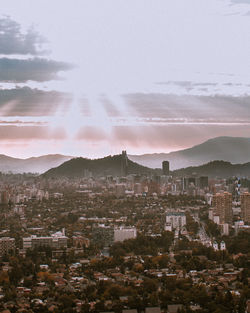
(14, 41)
(32, 102)
(36, 69)
(31, 133)
(188, 106)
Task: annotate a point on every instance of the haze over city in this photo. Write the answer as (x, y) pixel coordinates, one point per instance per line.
(91, 78)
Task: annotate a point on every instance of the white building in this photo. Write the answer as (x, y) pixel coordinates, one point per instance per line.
(176, 219)
(123, 233)
(168, 227)
(215, 246)
(211, 214)
(209, 198)
(216, 219)
(224, 229)
(56, 241)
(222, 245)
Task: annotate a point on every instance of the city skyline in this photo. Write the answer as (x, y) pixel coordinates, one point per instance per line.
(95, 78)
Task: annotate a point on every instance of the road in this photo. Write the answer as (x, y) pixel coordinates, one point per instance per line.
(203, 236)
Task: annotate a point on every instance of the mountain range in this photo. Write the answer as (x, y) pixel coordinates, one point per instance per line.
(231, 149)
(212, 169)
(110, 165)
(32, 165)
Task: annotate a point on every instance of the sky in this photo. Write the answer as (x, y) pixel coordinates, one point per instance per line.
(91, 78)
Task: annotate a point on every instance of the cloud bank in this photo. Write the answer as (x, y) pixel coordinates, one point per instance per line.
(14, 41)
(32, 102)
(36, 69)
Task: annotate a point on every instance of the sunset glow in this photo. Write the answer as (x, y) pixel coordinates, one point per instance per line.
(95, 77)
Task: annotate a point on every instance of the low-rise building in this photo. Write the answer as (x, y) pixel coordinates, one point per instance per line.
(176, 219)
(56, 241)
(7, 245)
(123, 233)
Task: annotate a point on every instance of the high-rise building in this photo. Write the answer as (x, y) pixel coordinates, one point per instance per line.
(124, 163)
(165, 168)
(203, 181)
(245, 206)
(189, 182)
(223, 207)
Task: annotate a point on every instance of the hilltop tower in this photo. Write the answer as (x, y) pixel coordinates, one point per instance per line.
(124, 163)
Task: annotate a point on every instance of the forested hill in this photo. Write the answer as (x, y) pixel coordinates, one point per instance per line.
(110, 165)
(216, 169)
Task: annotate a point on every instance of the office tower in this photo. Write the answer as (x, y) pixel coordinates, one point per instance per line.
(245, 206)
(223, 207)
(124, 163)
(203, 181)
(165, 168)
(189, 181)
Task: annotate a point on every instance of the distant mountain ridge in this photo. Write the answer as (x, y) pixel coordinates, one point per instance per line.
(213, 169)
(33, 165)
(110, 165)
(231, 149)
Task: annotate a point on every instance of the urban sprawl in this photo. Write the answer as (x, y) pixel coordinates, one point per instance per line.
(125, 244)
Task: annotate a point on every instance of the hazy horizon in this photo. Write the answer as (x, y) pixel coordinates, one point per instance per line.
(119, 152)
(94, 78)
